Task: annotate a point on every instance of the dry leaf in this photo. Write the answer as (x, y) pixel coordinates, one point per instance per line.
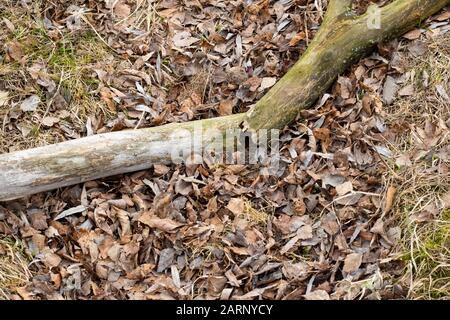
(166, 257)
(153, 221)
(442, 92)
(239, 251)
(297, 38)
(14, 50)
(267, 82)
(31, 103)
(226, 107)
(406, 91)
(184, 39)
(160, 169)
(344, 188)
(389, 90)
(236, 205)
(124, 221)
(443, 16)
(69, 212)
(122, 10)
(413, 34)
(50, 121)
(50, 259)
(349, 199)
(317, 295)
(352, 262)
(3, 98)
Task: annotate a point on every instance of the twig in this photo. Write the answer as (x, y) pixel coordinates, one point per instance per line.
(52, 98)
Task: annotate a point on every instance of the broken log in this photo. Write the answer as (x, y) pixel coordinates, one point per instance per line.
(343, 38)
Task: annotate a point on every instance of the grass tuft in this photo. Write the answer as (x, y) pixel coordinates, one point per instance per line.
(420, 206)
(14, 272)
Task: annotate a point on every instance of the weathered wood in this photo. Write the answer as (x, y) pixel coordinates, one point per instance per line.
(343, 39)
(63, 164)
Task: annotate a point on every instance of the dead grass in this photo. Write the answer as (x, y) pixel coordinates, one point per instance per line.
(70, 60)
(14, 272)
(259, 217)
(422, 201)
(143, 16)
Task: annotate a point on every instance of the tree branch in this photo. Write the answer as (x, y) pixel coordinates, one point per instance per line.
(336, 8)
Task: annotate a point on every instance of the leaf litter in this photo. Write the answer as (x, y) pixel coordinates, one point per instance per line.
(322, 228)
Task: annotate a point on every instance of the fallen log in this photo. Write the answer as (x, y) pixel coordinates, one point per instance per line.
(343, 38)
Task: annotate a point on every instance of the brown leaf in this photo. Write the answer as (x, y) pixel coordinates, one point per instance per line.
(267, 82)
(299, 206)
(50, 121)
(317, 295)
(160, 169)
(406, 91)
(239, 251)
(14, 51)
(389, 90)
(153, 221)
(216, 284)
(232, 278)
(297, 38)
(122, 10)
(413, 34)
(443, 16)
(330, 224)
(367, 103)
(39, 220)
(226, 107)
(288, 225)
(403, 160)
(141, 272)
(294, 270)
(390, 195)
(253, 83)
(378, 227)
(124, 221)
(182, 187)
(305, 232)
(184, 39)
(236, 205)
(39, 241)
(344, 188)
(166, 257)
(352, 262)
(50, 259)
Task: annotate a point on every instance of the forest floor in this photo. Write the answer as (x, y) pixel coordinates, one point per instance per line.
(359, 208)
